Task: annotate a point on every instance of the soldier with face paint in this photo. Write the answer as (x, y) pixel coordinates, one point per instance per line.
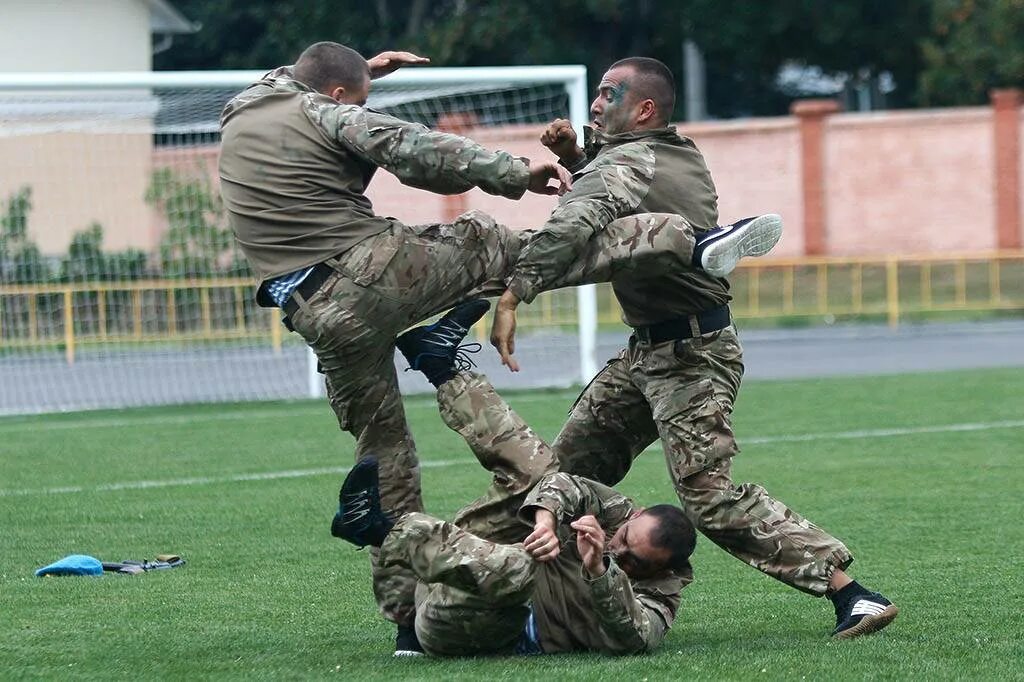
(679, 376)
(298, 150)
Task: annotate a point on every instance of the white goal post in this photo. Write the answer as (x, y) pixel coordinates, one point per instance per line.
(99, 308)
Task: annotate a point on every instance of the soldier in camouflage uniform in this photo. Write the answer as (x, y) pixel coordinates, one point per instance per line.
(490, 586)
(679, 376)
(298, 150)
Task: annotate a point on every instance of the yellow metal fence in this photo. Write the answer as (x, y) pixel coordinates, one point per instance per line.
(221, 310)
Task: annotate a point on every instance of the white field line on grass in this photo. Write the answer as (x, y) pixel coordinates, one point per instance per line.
(85, 420)
(300, 473)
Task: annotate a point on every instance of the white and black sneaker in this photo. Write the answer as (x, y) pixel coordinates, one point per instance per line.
(862, 613)
(718, 251)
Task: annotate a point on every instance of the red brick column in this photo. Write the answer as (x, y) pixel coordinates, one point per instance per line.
(1006, 105)
(457, 123)
(811, 114)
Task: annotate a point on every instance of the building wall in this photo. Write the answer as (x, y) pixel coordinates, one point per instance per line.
(74, 35)
(910, 182)
(895, 182)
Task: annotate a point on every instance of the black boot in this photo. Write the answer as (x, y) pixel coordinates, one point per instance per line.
(360, 519)
(435, 349)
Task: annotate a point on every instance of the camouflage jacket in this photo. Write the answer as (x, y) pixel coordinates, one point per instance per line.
(644, 171)
(610, 614)
(295, 164)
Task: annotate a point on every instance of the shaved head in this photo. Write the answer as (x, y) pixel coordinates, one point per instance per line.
(653, 80)
(325, 66)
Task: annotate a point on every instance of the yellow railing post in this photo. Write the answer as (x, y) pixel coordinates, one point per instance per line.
(32, 321)
(172, 312)
(137, 313)
(755, 290)
(787, 289)
(204, 307)
(892, 291)
(239, 309)
(275, 330)
(926, 285)
(69, 327)
(101, 305)
(961, 283)
(857, 287)
(822, 288)
(994, 286)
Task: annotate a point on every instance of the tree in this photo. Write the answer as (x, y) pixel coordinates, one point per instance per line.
(196, 243)
(21, 262)
(87, 262)
(974, 46)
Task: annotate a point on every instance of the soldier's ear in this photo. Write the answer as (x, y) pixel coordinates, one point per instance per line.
(337, 93)
(648, 111)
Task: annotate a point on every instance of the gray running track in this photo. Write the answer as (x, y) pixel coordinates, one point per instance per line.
(44, 383)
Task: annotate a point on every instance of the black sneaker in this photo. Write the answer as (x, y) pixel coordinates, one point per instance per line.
(718, 251)
(360, 519)
(406, 642)
(863, 614)
(435, 349)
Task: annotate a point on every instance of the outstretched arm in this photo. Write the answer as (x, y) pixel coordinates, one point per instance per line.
(391, 61)
(438, 162)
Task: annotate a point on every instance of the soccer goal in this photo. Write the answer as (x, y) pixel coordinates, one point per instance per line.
(120, 284)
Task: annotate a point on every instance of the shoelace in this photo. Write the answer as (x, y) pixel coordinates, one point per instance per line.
(462, 362)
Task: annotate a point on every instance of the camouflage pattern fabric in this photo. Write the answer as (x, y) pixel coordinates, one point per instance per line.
(683, 392)
(476, 579)
(474, 592)
(418, 156)
(404, 275)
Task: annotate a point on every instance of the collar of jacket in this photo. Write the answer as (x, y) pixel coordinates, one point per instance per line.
(283, 78)
(594, 139)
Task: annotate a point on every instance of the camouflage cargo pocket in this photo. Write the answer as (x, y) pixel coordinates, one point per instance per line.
(366, 261)
(694, 427)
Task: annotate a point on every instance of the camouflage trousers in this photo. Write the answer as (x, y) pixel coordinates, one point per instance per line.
(683, 392)
(402, 276)
(475, 582)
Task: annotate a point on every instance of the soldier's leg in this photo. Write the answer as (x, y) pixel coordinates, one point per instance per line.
(608, 426)
(430, 268)
(760, 531)
(362, 387)
(691, 385)
(504, 445)
(475, 591)
(648, 242)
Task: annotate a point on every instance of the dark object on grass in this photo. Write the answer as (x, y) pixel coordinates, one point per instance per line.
(162, 561)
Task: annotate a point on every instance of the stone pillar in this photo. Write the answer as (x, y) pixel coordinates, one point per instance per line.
(1006, 105)
(811, 114)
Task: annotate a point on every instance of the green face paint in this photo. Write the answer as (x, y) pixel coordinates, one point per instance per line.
(615, 111)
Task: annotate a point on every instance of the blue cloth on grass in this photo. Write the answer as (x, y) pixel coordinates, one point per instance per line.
(73, 564)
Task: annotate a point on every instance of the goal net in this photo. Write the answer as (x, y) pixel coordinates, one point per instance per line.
(121, 285)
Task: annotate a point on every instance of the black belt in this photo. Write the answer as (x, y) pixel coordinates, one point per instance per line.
(682, 327)
(308, 287)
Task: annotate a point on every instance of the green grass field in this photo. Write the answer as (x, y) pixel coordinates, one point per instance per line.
(920, 475)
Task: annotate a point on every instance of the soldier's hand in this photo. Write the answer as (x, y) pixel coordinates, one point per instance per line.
(542, 543)
(389, 62)
(560, 138)
(590, 543)
(544, 171)
(503, 329)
